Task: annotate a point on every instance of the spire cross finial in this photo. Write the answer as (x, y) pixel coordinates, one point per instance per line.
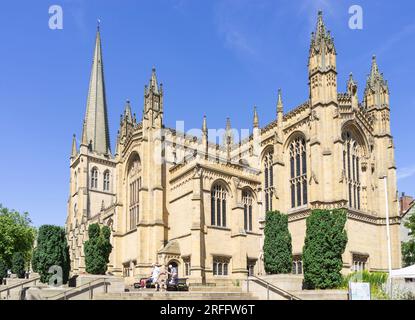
(98, 23)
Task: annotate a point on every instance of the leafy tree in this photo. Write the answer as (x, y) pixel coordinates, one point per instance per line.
(52, 250)
(3, 271)
(324, 245)
(97, 249)
(408, 248)
(35, 259)
(18, 265)
(16, 234)
(277, 244)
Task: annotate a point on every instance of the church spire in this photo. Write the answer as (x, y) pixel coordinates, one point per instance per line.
(322, 50)
(322, 68)
(280, 107)
(204, 126)
(256, 119)
(74, 151)
(128, 115)
(96, 117)
(375, 77)
(153, 81)
(377, 91)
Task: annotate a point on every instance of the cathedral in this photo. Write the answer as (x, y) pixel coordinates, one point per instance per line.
(175, 198)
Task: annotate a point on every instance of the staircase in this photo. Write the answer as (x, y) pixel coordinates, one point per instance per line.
(201, 293)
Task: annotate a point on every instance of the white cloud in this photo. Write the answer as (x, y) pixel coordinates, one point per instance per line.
(229, 20)
(406, 172)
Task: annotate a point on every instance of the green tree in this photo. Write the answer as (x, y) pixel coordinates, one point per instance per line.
(3, 270)
(324, 245)
(408, 247)
(35, 260)
(18, 265)
(16, 234)
(277, 244)
(52, 250)
(97, 249)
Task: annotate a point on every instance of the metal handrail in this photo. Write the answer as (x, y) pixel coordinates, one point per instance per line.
(22, 284)
(65, 293)
(269, 285)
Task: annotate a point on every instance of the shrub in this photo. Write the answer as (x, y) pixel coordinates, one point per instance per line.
(377, 282)
(18, 265)
(324, 245)
(51, 250)
(35, 260)
(277, 244)
(97, 249)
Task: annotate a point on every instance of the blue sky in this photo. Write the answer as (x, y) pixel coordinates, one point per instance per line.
(217, 58)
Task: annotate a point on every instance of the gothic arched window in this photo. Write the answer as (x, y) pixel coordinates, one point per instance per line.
(218, 206)
(298, 172)
(133, 192)
(94, 178)
(75, 177)
(351, 168)
(268, 180)
(107, 180)
(247, 203)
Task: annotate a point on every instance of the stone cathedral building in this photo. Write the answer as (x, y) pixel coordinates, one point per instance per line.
(171, 197)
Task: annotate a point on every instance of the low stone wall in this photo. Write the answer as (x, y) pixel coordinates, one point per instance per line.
(82, 291)
(292, 284)
(116, 284)
(322, 294)
(287, 282)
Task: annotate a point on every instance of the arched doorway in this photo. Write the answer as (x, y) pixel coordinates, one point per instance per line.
(174, 270)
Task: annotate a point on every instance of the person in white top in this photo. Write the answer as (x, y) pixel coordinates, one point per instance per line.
(155, 275)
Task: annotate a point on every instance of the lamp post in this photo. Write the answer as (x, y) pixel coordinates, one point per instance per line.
(385, 180)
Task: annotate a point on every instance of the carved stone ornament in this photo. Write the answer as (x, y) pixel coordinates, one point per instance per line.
(313, 178)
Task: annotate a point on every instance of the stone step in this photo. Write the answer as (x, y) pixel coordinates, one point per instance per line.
(176, 296)
(214, 289)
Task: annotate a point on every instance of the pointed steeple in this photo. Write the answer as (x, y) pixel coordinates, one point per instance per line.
(280, 106)
(228, 124)
(84, 141)
(377, 90)
(128, 116)
(256, 120)
(375, 77)
(322, 62)
(153, 103)
(96, 117)
(74, 151)
(321, 36)
(204, 126)
(352, 91)
(153, 86)
(228, 137)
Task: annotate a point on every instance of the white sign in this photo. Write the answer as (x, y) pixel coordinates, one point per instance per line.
(359, 291)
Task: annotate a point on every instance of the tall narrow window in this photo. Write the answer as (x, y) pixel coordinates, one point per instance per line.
(298, 169)
(218, 206)
(107, 181)
(94, 178)
(134, 202)
(352, 151)
(133, 192)
(268, 180)
(76, 181)
(247, 203)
